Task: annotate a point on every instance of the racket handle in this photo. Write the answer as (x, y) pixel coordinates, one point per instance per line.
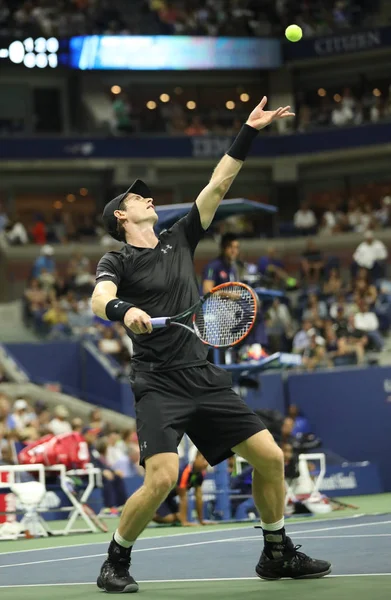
(158, 322)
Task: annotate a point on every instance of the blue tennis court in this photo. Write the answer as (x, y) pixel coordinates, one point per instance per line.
(218, 562)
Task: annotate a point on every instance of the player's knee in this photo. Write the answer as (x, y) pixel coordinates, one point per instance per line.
(163, 482)
(272, 467)
(276, 461)
(162, 478)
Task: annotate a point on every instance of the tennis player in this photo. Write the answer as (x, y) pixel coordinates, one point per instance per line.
(176, 390)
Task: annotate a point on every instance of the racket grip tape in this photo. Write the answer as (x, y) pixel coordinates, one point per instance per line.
(158, 322)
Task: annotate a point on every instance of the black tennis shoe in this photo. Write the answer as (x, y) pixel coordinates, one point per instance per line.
(293, 564)
(114, 575)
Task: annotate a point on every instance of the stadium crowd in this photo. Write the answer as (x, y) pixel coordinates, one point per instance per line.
(115, 452)
(367, 103)
(327, 314)
(174, 17)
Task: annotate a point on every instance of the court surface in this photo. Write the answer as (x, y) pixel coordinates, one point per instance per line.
(214, 562)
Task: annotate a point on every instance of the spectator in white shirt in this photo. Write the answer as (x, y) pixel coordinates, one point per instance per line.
(22, 417)
(304, 220)
(16, 233)
(341, 115)
(332, 221)
(301, 341)
(366, 321)
(371, 255)
(60, 424)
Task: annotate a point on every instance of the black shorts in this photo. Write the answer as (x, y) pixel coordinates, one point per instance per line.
(198, 401)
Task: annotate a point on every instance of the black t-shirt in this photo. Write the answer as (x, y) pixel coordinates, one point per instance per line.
(162, 282)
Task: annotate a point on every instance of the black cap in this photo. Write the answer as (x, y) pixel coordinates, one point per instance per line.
(110, 220)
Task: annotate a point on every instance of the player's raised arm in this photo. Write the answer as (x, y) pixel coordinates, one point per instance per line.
(230, 165)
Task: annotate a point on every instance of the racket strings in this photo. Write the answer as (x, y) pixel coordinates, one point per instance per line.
(226, 316)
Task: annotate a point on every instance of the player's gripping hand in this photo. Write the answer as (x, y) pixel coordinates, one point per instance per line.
(138, 321)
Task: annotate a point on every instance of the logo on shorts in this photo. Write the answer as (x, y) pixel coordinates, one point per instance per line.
(143, 446)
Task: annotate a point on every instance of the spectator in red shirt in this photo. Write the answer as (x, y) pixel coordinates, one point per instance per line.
(38, 231)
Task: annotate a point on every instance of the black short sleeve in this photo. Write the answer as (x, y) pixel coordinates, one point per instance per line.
(110, 268)
(192, 228)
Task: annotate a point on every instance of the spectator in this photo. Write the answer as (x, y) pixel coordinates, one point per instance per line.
(5, 413)
(22, 415)
(196, 127)
(382, 215)
(341, 306)
(224, 268)
(312, 263)
(342, 115)
(44, 262)
(363, 289)
(77, 424)
(16, 233)
(371, 255)
(109, 344)
(333, 285)
(341, 342)
(57, 319)
(79, 322)
(122, 112)
(377, 111)
(36, 299)
(279, 326)
(353, 216)
(301, 340)
(59, 424)
(317, 354)
(114, 492)
(333, 221)
(272, 268)
(366, 322)
(304, 220)
(316, 311)
(96, 420)
(38, 231)
(348, 334)
(44, 419)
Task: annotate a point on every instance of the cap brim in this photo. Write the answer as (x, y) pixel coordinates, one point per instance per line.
(110, 220)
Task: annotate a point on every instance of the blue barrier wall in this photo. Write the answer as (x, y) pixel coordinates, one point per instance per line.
(270, 394)
(351, 411)
(52, 362)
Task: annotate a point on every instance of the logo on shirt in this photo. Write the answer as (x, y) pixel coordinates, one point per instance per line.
(143, 446)
(166, 249)
(118, 304)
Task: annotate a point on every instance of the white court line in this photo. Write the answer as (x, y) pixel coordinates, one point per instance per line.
(182, 533)
(173, 546)
(52, 560)
(29, 585)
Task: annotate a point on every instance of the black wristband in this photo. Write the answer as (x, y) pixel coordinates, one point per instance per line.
(242, 143)
(117, 309)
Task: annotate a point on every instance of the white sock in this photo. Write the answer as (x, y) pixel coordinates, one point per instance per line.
(121, 541)
(273, 526)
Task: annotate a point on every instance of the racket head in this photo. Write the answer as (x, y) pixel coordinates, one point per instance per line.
(226, 315)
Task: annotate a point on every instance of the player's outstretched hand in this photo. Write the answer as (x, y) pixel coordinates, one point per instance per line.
(138, 321)
(260, 118)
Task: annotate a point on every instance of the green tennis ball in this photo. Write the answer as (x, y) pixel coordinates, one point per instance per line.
(293, 33)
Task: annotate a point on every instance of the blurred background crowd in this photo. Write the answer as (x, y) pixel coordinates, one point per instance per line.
(173, 17)
(329, 314)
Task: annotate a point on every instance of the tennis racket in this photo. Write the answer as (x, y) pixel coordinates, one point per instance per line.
(221, 319)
